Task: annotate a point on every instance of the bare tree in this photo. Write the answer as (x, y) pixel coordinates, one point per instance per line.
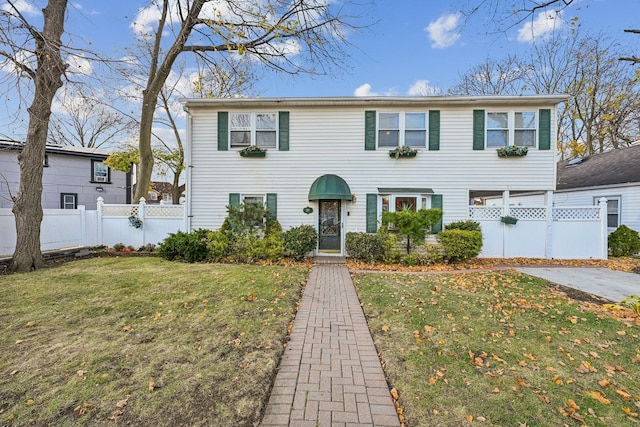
(268, 31)
(36, 55)
(86, 120)
(492, 77)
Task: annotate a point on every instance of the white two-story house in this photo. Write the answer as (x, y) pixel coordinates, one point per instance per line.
(328, 164)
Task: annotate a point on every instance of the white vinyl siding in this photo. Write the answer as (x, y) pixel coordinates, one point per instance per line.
(317, 149)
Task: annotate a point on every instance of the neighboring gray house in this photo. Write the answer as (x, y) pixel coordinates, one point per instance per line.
(614, 175)
(72, 176)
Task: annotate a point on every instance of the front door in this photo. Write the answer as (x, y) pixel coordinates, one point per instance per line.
(330, 227)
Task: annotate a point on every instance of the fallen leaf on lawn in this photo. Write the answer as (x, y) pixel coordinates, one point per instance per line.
(394, 394)
(605, 382)
(599, 397)
(30, 402)
(624, 394)
(30, 324)
(495, 390)
(81, 410)
(470, 418)
(152, 385)
(81, 373)
(122, 403)
(127, 328)
(385, 328)
(586, 367)
(627, 411)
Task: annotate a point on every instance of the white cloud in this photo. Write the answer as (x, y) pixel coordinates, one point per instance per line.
(422, 88)
(541, 26)
(443, 31)
(23, 7)
(79, 65)
(364, 90)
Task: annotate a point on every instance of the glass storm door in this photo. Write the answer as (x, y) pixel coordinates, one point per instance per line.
(329, 226)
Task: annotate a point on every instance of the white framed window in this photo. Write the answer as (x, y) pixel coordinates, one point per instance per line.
(68, 200)
(402, 128)
(613, 210)
(400, 202)
(99, 171)
(259, 129)
(511, 128)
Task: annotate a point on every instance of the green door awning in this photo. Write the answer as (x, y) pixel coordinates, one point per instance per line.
(329, 187)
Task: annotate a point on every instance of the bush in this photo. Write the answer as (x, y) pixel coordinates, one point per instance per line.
(119, 247)
(624, 242)
(365, 247)
(460, 245)
(298, 241)
(391, 253)
(190, 247)
(410, 260)
(468, 225)
(217, 245)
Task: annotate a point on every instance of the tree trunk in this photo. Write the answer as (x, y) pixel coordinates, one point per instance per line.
(27, 207)
(149, 101)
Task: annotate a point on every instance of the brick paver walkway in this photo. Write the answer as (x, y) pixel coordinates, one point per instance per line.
(330, 374)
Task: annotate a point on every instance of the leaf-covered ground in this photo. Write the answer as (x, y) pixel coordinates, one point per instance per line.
(623, 264)
(142, 341)
(501, 349)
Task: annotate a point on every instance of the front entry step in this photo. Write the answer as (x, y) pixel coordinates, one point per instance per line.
(329, 260)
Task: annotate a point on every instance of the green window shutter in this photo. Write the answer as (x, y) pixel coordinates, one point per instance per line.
(234, 199)
(434, 130)
(223, 131)
(544, 130)
(283, 130)
(478, 129)
(369, 130)
(372, 213)
(436, 203)
(272, 205)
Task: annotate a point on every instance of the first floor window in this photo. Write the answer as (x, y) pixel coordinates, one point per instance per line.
(68, 201)
(511, 128)
(253, 129)
(99, 171)
(398, 129)
(613, 210)
(401, 202)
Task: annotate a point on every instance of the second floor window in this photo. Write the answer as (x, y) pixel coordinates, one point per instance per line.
(398, 129)
(253, 129)
(511, 128)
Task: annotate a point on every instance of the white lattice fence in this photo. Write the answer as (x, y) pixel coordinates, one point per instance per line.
(528, 213)
(120, 210)
(581, 213)
(478, 213)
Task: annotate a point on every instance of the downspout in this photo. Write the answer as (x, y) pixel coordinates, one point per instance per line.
(189, 167)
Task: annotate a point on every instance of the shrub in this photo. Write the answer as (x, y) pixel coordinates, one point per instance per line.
(190, 247)
(413, 225)
(433, 254)
(217, 245)
(391, 253)
(460, 245)
(468, 225)
(365, 247)
(298, 241)
(624, 242)
(409, 260)
(119, 247)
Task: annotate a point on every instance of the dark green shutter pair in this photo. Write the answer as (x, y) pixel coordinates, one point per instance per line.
(544, 129)
(283, 130)
(370, 130)
(272, 203)
(372, 212)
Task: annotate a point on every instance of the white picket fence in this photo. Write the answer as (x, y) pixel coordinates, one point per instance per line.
(108, 225)
(578, 232)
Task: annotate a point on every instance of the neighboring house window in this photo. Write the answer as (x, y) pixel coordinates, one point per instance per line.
(253, 129)
(398, 129)
(152, 196)
(45, 161)
(511, 128)
(68, 201)
(613, 210)
(100, 171)
(168, 198)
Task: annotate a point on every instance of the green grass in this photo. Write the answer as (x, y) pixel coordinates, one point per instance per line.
(500, 349)
(142, 341)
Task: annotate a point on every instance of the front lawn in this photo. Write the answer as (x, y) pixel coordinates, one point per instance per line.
(142, 341)
(501, 349)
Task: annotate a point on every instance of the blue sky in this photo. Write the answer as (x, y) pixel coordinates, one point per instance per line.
(413, 47)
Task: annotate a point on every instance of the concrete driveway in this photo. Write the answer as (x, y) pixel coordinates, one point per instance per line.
(610, 284)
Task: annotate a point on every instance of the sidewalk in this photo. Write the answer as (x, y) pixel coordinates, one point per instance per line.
(330, 374)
